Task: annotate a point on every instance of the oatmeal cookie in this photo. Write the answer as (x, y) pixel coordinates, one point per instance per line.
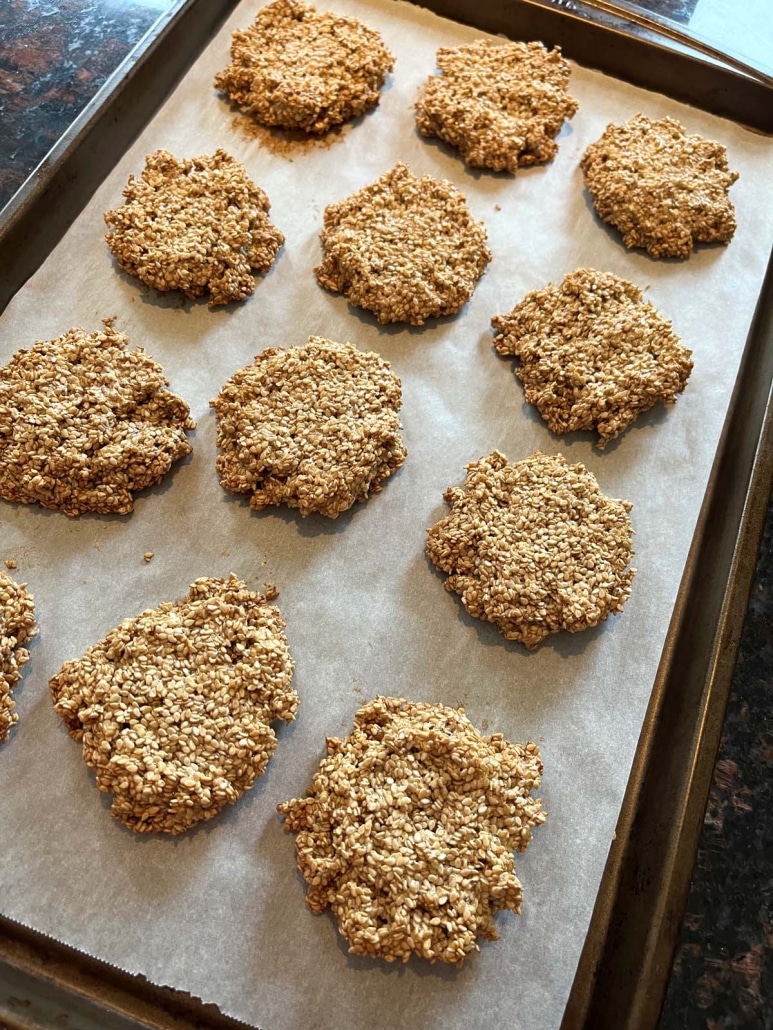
(662, 189)
(314, 427)
(408, 830)
(17, 625)
(85, 423)
(194, 225)
(499, 104)
(594, 354)
(173, 707)
(298, 68)
(534, 546)
(405, 248)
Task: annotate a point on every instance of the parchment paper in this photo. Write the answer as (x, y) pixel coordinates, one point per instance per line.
(220, 911)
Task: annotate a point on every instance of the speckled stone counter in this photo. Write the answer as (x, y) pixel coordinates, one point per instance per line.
(53, 58)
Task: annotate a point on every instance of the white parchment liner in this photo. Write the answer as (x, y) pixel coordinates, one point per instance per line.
(220, 912)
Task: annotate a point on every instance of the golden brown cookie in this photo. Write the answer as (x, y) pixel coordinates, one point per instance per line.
(593, 353)
(405, 248)
(173, 708)
(534, 546)
(314, 427)
(408, 830)
(85, 423)
(499, 104)
(17, 625)
(299, 68)
(198, 225)
(664, 190)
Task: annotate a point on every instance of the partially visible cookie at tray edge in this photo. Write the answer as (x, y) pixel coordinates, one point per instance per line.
(593, 353)
(315, 427)
(173, 707)
(663, 189)
(405, 248)
(197, 225)
(299, 68)
(408, 829)
(17, 625)
(499, 103)
(85, 423)
(534, 546)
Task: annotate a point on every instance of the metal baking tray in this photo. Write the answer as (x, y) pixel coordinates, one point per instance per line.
(624, 968)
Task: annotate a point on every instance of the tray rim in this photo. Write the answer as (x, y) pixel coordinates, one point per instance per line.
(625, 906)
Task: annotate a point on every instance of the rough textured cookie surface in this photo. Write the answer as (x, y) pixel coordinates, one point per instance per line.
(534, 546)
(594, 354)
(173, 707)
(299, 68)
(408, 830)
(198, 225)
(314, 427)
(85, 423)
(499, 104)
(405, 248)
(17, 625)
(664, 190)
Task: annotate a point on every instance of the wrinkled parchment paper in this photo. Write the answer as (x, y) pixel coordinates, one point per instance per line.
(220, 912)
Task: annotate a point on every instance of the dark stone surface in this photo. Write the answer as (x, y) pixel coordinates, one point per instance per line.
(723, 973)
(53, 58)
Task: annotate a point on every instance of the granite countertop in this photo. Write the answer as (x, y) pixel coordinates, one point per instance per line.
(53, 58)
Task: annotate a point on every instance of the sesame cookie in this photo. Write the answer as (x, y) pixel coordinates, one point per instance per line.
(534, 546)
(314, 427)
(17, 625)
(85, 423)
(499, 104)
(405, 248)
(594, 354)
(173, 707)
(298, 68)
(198, 226)
(664, 190)
(408, 830)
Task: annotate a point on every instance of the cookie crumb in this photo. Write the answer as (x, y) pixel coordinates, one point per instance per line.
(10, 563)
(148, 556)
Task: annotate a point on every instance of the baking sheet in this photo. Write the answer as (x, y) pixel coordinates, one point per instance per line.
(220, 912)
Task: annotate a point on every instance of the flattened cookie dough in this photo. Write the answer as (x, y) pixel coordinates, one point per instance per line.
(594, 354)
(314, 427)
(173, 707)
(408, 830)
(298, 68)
(534, 546)
(499, 104)
(198, 225)
(85, 423)
(664, 190)
(405, 248)
(17, 625)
